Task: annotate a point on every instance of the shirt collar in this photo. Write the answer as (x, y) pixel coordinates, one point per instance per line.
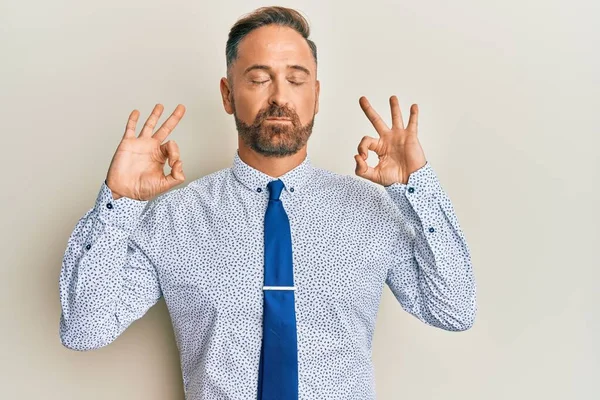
(255, 180)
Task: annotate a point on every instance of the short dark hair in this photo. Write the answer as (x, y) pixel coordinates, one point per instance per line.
(266, 16)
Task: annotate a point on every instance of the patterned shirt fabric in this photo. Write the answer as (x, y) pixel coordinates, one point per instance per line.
(200, 247)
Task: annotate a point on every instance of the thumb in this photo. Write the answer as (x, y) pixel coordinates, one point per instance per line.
(176, 176)
(362, 168)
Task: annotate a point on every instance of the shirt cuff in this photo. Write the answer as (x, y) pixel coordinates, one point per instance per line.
(123, 213)
(419, 194)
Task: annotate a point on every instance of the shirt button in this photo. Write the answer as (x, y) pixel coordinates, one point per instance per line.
(89, 246)
(431, 229)
(411, 189)
(109, 206)
(291, 189)
(259, 190)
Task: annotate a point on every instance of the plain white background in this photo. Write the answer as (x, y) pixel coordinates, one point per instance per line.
(508, 95)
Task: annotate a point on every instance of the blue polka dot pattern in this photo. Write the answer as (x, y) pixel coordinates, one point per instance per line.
(201, 248)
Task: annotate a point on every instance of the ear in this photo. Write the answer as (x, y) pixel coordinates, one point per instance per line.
(317, 91)
(226, 95)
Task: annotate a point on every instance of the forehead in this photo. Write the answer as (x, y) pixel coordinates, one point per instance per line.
(274, 46)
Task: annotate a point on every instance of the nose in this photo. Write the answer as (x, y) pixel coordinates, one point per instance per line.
(279, 93)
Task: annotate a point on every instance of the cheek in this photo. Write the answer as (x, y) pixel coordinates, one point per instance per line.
(306, 111)
(247, 108)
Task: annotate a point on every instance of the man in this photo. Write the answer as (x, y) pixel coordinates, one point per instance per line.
(272, 270)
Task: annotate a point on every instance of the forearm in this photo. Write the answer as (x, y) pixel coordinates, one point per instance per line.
(106, 281)
(433, 276)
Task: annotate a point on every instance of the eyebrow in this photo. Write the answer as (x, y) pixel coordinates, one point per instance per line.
(267, 68)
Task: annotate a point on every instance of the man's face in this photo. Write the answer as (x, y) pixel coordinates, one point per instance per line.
(274, 91)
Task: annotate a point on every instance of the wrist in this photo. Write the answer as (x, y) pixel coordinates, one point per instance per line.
(115, 195)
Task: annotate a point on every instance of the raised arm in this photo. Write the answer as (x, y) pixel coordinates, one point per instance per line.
(432, 276)
(107, 279)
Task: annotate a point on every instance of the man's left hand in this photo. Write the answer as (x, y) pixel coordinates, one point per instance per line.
(399, 151)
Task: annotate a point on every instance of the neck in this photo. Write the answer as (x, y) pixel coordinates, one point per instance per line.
(272, 166)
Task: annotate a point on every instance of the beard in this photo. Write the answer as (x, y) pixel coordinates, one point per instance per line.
(274, 139)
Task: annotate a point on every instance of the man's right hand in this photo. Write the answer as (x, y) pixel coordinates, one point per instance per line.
(137, 168)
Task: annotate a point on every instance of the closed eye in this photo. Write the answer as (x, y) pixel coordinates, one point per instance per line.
(261, 82)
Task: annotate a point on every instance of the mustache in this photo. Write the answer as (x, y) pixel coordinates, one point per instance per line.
(275, 111)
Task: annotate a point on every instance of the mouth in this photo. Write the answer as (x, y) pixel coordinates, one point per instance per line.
(278, 119)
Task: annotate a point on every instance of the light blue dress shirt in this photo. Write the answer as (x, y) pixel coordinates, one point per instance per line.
(201, 248)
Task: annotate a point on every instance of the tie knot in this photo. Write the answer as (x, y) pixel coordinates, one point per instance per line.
(275, 188)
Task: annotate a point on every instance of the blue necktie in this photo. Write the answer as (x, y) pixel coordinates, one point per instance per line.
(278, 368)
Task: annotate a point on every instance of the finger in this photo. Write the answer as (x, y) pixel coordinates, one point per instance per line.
(363, 169)
(396, 113)
(131, 124)
(413, 121)
(167, 127)
(367, 143)
(170, 150)
(176, 176)
(152, 120)
(376, 120)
